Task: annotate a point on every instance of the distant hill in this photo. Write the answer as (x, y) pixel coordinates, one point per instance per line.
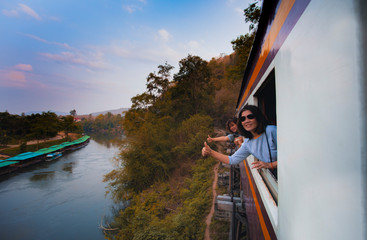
(115, 111)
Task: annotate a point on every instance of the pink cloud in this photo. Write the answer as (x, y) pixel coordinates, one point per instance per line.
(24, 67)
(65, 45)
(13, 78)
(24, 8)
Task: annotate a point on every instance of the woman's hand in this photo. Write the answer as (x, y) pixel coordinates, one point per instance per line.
(206, 150)
(209, 139)
(260, 164)
(238, 141)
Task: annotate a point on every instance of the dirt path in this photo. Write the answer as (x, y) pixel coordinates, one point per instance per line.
(208, 219)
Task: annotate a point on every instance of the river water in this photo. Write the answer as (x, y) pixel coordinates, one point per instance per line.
(62, 199)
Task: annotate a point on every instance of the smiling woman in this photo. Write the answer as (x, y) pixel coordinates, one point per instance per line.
(261, 141)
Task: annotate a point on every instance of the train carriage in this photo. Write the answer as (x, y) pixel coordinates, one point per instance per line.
(307, 72)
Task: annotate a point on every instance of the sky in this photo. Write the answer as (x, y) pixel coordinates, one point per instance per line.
(95, 55)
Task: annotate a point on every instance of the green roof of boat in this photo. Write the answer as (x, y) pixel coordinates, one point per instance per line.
(4, 163)
(43, 151)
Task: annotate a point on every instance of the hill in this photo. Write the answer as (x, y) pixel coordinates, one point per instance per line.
(115, 112)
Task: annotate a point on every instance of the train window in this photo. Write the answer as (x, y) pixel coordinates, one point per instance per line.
(266, 98)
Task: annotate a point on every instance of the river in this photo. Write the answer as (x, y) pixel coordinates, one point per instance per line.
(62, 199)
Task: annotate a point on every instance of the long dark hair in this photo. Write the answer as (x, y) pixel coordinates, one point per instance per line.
(260, 118)
(231, 120)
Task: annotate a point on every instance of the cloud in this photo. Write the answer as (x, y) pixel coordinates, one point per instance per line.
(12, 78)
(90, 61)
(64, 45)
(23, 9)
(24, 67)
(133, 5)
(27, 10)
(15, 76)
(164, 35)
(10, 13)
(129, 8)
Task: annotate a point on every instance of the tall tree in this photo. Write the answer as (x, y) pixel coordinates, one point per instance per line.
(192, 91)
(252, 15)
(157, 84)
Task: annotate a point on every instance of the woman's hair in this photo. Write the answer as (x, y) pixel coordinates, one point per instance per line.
(260, 118)
(231, 120)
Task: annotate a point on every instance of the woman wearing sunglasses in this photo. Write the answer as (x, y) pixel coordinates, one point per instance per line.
(261, 141)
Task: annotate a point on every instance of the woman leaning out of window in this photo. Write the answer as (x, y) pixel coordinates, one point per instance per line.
(260, 141)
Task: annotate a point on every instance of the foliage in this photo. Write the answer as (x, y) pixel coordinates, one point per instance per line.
(166, 127)
(162, 213)
(69, 125)
(103, 123)
(192, 93)
(190, 134)
(252, 15)
(17, 129)
(14, 128)
(242, 46)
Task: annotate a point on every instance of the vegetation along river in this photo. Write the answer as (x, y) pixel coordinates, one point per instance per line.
(62, 199)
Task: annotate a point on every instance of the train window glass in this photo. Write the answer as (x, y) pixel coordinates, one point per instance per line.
(266, 98)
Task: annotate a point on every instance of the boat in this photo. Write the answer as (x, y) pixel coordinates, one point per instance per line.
(53, 156)
(45, 154)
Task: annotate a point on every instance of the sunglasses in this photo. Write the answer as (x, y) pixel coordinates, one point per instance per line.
(250, 116)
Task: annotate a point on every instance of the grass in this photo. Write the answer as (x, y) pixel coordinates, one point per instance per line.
(219, 230)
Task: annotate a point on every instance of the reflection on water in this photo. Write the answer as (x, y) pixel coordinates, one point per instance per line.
(42, 176)
(62, 199)
(68, 167)
(108, 140)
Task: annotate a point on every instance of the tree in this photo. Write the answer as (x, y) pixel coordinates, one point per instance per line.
(158, 84)
(68, 124)
(73, 112)
(192, 91)
(252, 15)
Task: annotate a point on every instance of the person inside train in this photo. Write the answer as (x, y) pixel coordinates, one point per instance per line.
(234, 137)
(260, 141)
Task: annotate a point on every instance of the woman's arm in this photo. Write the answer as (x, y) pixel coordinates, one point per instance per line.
(218, 139)
(207, 151)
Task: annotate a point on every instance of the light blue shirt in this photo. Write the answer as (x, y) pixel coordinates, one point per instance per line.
(258, 147)
(232, 136)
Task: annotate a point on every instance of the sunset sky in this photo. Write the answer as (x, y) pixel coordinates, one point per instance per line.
(94, 55)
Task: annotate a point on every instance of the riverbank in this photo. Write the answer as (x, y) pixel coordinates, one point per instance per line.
(12, 150)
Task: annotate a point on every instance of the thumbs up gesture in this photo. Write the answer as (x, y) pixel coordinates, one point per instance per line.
(209, 139)
(206, 150)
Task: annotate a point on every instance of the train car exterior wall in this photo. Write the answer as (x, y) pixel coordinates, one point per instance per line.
(320, 76)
